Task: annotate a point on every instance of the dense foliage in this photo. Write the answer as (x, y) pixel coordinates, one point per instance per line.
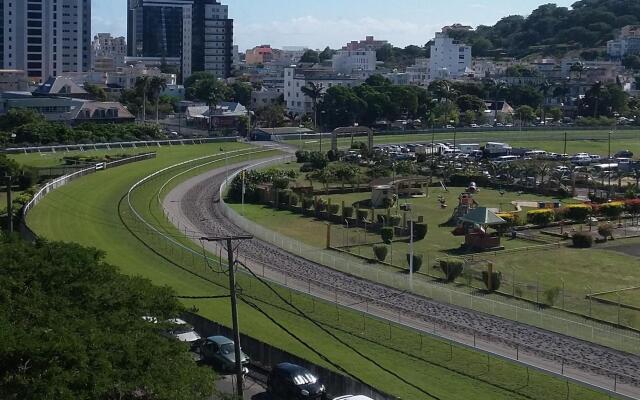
(22, 176)
(24, 127)
(253, 179)
(72, 328)
(553, 30)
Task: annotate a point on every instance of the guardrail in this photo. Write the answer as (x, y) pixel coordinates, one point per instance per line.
(117, 145)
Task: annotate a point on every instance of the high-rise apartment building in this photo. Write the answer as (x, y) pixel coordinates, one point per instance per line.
(194, 35)
(108, 52)
(46, 37)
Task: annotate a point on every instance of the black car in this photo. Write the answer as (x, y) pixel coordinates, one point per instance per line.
(624, 154)
(293, 382)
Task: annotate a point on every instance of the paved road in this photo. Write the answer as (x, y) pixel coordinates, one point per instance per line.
(253, 388)
(194, 205)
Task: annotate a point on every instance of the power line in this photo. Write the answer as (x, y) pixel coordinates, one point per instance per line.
(338, 339)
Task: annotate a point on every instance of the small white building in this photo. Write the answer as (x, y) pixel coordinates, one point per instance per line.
(450, 58)
(419, 72)
(108, 52)
(349, 61)
(296, 78)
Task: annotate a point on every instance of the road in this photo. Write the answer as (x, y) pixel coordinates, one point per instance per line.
(194, 205)
(254, 389)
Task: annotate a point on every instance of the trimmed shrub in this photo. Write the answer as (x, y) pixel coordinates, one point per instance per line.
(320, 205)
(417, 262)
(540, 217)
(293, 200)
(347, 212)
(582, 240)
(612, 210)
(334, 209)
(382, 219)
(578, 212)
(633, 206)
(362, 215)
(452, 268)
(606, 231)
(380, 252)
(387, 234)
(496, 280)
(513, 219)
(307, 203)
(419, 231)
(551, 295)
(395, 220)
(302, 157)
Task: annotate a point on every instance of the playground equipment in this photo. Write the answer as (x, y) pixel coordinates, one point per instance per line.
(466, 203)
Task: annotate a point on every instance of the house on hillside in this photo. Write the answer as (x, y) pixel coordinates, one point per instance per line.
(504, 110)
(225, 116)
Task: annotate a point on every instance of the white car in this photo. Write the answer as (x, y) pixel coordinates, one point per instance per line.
(182, 331)
(352, 397)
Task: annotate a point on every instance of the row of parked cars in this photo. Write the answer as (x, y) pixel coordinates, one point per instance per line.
(286, 381)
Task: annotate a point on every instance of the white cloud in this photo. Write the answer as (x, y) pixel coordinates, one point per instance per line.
(317, 33)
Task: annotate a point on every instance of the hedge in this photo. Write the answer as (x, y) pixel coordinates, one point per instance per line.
(513, 219)
(362, 215)
(347, 212)
(419, 231)
(307, 203)
(612, 210)
(578, 212)
(540, 217)
(496, 280)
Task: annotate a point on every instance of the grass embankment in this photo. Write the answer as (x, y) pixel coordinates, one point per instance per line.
(87, 211)
(47, 160)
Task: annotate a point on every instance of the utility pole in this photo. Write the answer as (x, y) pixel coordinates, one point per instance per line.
(234, 307)
(9, 204)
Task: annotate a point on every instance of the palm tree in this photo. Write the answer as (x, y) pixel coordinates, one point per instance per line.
(545, 88)
(142, 87)
(443, 90)
(578, 68)
(314, 92)
(596, 93)
(156, 86)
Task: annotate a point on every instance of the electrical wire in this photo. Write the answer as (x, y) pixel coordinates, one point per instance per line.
(335, 337)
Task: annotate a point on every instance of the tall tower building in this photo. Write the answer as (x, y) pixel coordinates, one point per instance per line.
(46, 37)
(194, 35)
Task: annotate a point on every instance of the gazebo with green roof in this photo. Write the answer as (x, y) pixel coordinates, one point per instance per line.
(476, 224)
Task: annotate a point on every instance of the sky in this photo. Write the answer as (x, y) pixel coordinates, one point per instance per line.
(320, 23)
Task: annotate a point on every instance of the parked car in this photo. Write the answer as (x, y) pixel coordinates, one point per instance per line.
(219, 351)
(293, 382)
(182, 331)
(624, 154)
(352, 397)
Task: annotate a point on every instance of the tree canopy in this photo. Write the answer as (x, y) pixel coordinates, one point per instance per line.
(73, 329)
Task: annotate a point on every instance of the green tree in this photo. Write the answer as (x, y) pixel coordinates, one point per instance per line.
(142, 88)
(326, 54)
(310, 56)
(241, 93)
(525, 114)
(314, 92)
(341, 107)
(77, 332)
(96, 92)
(156, 85)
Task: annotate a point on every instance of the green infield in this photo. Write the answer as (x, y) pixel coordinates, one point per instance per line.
(46, 160)
(93, 211)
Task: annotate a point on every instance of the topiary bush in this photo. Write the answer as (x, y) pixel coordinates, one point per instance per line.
(380, 252)
(496, 280)
(540, 217)
(293, 200)
(307, 203)
(419, 231)
(417, 262)
(387, 234)
(551, 295)
(334, 209)
(582, 240)
(347, 212)
(395, 220)
(606, 231)
(302, 157)
(320, 205)
(362, 215)
(452, 268)
(612, 210)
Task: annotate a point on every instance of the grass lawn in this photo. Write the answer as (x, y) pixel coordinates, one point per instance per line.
(87, 211)
(45, 160)
(596, 142)
(534, 275)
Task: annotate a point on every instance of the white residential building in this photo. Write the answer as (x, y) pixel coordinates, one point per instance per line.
(297, 78)
(293, 54)
(419, 72)
(450, 58)
(46, 37)
(627, 43)
(108, 53)
(350, 61)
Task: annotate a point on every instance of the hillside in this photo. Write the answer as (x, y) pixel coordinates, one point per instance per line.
(552, 31)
